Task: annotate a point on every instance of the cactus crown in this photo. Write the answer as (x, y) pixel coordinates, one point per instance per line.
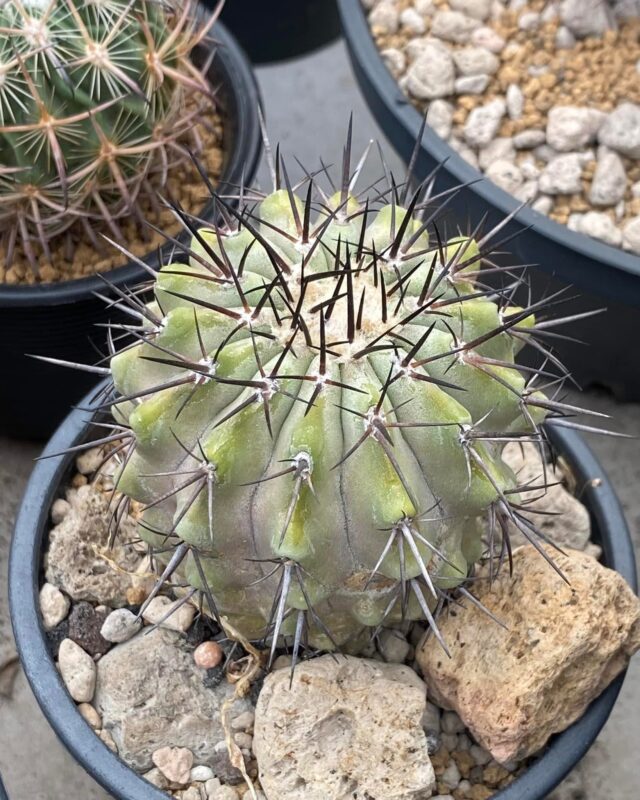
(93, 100)
(312, 413)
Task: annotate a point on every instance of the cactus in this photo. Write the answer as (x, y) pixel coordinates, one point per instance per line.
(92, 104)
(312, 412)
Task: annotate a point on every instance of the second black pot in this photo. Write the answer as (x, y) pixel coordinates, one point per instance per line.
(603, 276)
(48, 481)
(59, 320)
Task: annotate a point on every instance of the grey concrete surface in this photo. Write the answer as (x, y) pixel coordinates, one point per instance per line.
(307, 103)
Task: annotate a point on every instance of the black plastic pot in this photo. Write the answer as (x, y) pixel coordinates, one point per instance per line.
(59, 320)
(604, 276)
(25, 568)
(273, 30)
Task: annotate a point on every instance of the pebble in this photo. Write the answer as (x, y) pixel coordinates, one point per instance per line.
(224, 793)
(107, 739)
(543, 205)
(413, 21)
(464, 742)
(385, 17)
(609, 180)
(282, 662)
(453, 26)
(174, 763)
(562, 175)
(529, 21)
(425, 7)
(156, 778)
(249, 796)
(478, 9)
(565, 40)
(208, 655)
(395, 60)
(85, 623)
(631, 235)
(59, 510)
(571, 127)
(483, 123)
(621, 130)
(471, 84)
(431, 718)
(243, 722)
(440, 118)
(450, 741)
(479, 755)
(192, 793)
(464, 151)
(54, 606)
(211, 786)
(527, 192)
(487, 37)
(581, 24)
(506, 175)
(88, 462)
(475, 61)
(78, 671)
(201, 773)
(597, 225)
(432, 74)
(451, 775)
(90, 715)
(120, 626)
(501, 148)
(515, 101)
(179, 620)
(243, 740)
(451, 723)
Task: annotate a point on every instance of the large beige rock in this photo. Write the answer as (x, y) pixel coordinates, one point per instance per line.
(346, 729)
(79, 561)
(565, 520)
(563, 645)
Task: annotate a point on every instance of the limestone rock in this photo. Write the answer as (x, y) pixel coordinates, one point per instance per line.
(475, 61)
(77, 555)
(505, 174)
(571, 127)
(567, 523)
(483, 123)
(597, 225)
(432, 74)
(562, 175)
(54, 606)
(440, 118)
(345, 730)
(563, 646)
(150, 694)
(384, 17)
(609, 180)
(621, 130)
(453, 26)
(78, 671)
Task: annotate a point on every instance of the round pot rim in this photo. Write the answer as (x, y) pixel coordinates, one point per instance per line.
(32, 523)
(365, 52)
(236, 73)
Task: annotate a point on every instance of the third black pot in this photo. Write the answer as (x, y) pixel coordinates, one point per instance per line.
(603, 276)
(47, 483)
(59, 320)
(273, 30)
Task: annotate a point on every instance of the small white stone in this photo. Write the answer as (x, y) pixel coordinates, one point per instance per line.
(631, 235)
(600, 226)
(478, 9)
(179, 620)
(475, 61)
(530, 21)
(499, 149)
(544, 153)
(440, 117)
(451, 723)
(201, 774)
(90, 715)
(432, 74)
(609, 182)
(191, 793)
(562, 175)
(174, 763)
(515, 101)
(212, 786)
(571, 127)
(488, 38)
(282, 662)
(54, 606)
(59, 510)
(451, 776)
(120, 625)
(574, 16)
(621, 130)
(425, 7)
(479, 755)
(565, 40)
(243, 740)
(483, 123)
(453, 26)
(529, 169)
(543, 205)
(413, 21)
(394, 646)
(88, 462)
(506, 175)
(107, 738)
(463, 150)
(78, 671)
(385, 17)
(527, 192)
(243, 722)
(619, 210)
(395, 60)
(471, 84)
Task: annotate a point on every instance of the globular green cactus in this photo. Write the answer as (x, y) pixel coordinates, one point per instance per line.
(312, 415)
(93, 101)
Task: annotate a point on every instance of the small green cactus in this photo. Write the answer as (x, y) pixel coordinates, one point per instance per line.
(312, 416)
(92, 104)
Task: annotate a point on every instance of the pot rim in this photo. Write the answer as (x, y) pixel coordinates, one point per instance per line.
(236, 75)
(32, 524)
(371, 69)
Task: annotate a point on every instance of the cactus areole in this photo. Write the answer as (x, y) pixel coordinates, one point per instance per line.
(93, 102)
(312, 416)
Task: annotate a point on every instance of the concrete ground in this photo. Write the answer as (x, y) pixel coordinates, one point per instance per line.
(307, 104)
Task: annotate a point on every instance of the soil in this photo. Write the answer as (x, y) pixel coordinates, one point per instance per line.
(184, 184)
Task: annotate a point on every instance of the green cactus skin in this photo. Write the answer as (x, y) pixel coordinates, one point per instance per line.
(92, 104)
(314, 411)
